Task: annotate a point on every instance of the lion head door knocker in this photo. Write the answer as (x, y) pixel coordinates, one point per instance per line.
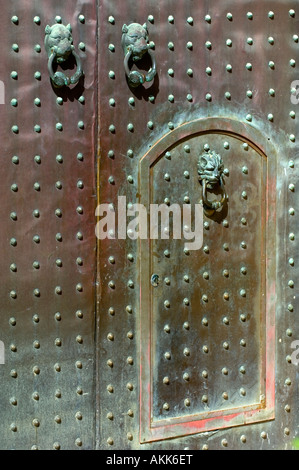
(210, 171)
(135, 45)
(59, 47)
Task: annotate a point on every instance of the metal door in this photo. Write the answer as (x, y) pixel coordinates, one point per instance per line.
(123, 343)
(47, 238)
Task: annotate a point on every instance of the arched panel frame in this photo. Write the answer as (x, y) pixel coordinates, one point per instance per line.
(155, 430)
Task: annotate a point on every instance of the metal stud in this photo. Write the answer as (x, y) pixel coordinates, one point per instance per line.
(110, 336)
(186, 352)
(13, 427)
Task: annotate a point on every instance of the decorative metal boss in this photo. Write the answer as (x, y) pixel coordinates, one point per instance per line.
(210, 171)
(135, 45)
(59, 47)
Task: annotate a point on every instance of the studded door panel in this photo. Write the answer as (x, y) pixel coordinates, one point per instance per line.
(209, 321)
(98, 353)
(47, 235)
(194, 350)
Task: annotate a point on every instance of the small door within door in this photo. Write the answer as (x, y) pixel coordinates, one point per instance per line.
(205, 326)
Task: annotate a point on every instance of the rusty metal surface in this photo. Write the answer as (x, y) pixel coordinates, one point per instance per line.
(226, 60)
(71, 383)
(208, 322)
(48, 245)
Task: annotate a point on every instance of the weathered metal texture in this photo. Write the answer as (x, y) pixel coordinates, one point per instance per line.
(234, 61)
(47, 233)
(209, 325)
